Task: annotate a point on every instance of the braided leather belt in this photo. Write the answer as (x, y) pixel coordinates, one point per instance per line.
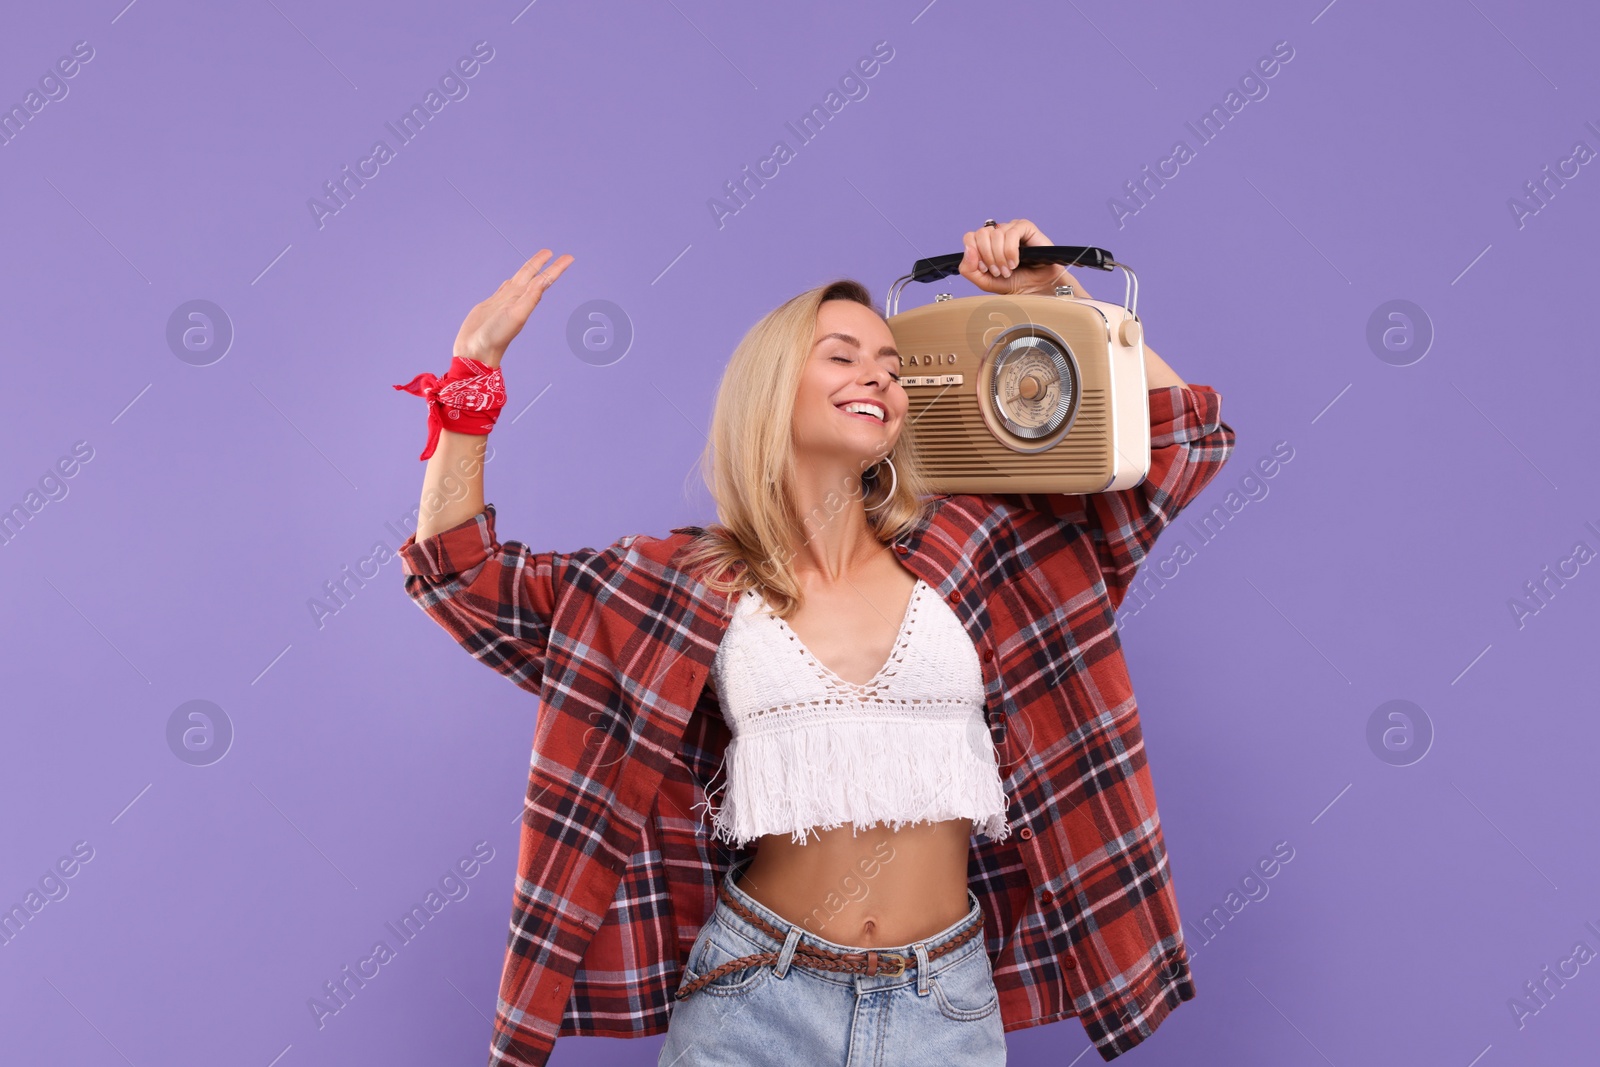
(871, 962)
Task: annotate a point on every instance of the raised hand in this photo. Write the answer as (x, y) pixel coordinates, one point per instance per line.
(990, 261)
(492, 325)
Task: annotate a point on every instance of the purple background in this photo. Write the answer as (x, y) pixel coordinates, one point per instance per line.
(369, 753)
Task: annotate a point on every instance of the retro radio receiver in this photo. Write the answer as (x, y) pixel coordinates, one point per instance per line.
(1025, 394)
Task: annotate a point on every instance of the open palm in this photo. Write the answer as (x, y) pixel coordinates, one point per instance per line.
(492, 325)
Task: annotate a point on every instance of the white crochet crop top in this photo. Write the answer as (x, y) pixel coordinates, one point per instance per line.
(809, 749)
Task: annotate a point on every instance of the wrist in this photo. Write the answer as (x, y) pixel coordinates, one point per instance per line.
(490, 358)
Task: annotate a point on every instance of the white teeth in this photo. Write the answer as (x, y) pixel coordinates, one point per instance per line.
(864, 409)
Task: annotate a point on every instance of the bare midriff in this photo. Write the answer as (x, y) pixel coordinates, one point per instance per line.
(869, 889)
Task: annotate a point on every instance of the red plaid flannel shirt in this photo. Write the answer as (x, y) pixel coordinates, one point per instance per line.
(615, 876)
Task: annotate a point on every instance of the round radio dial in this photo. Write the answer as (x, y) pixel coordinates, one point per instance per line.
(1033, 385)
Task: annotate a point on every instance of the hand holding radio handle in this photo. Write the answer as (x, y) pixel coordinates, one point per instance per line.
(1039, 269)
(1016, 257)
(492, 325)
(1011, 258)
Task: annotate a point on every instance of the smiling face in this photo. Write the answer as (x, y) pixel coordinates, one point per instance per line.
(850, 406)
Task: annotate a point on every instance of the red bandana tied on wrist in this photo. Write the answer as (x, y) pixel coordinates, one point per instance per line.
(468, 398)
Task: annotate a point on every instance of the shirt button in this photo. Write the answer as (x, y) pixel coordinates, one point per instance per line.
(1026, 834)
(954, 597)
(1069, 962)
(1047, 897)
(988, 654)
(902, 549)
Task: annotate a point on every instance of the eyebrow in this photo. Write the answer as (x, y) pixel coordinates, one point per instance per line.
(886, 350)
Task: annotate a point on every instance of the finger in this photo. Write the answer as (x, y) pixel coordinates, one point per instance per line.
(978, 250)
(971, 265)
(997, 249)
(976, 270)
(989, 248)
(1028, 236)
(1014, 232)
(546, 278)
(520, 279)
(543, 280)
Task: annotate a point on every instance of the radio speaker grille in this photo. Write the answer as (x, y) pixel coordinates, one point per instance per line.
(953, 443)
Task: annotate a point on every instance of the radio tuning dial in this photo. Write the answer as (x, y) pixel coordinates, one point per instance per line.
(1032, 386)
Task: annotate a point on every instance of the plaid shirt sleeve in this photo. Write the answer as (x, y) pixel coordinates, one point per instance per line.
(1189, 443)
(495, 599)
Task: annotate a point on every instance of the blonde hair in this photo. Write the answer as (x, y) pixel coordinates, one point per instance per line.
(749, 462)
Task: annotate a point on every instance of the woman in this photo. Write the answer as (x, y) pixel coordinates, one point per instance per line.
(843, 688)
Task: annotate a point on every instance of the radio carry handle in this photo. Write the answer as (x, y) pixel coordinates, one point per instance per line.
(935, 267)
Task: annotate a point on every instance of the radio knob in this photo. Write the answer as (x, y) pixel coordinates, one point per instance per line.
(1131, 331)
(1030, 383)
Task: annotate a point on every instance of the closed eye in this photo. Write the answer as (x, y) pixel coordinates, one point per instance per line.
(847, 359)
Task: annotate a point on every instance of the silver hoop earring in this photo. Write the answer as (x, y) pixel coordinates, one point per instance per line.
(894, 483)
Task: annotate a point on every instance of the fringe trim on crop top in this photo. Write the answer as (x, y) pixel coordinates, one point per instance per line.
(810, 750)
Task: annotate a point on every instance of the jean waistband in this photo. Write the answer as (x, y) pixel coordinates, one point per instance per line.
(748, 930)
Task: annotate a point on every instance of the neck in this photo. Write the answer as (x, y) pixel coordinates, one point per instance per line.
(835, 540)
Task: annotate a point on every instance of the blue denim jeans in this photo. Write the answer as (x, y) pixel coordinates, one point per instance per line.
(943, 1011)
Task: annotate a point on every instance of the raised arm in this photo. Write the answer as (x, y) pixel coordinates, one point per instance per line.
(495, 599)
(452, 484)
(1189, 442)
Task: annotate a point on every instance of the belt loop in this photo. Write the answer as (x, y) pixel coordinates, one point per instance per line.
(922, 968)
(781, 968)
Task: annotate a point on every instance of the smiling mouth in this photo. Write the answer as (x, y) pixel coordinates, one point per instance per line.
(878, 415)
